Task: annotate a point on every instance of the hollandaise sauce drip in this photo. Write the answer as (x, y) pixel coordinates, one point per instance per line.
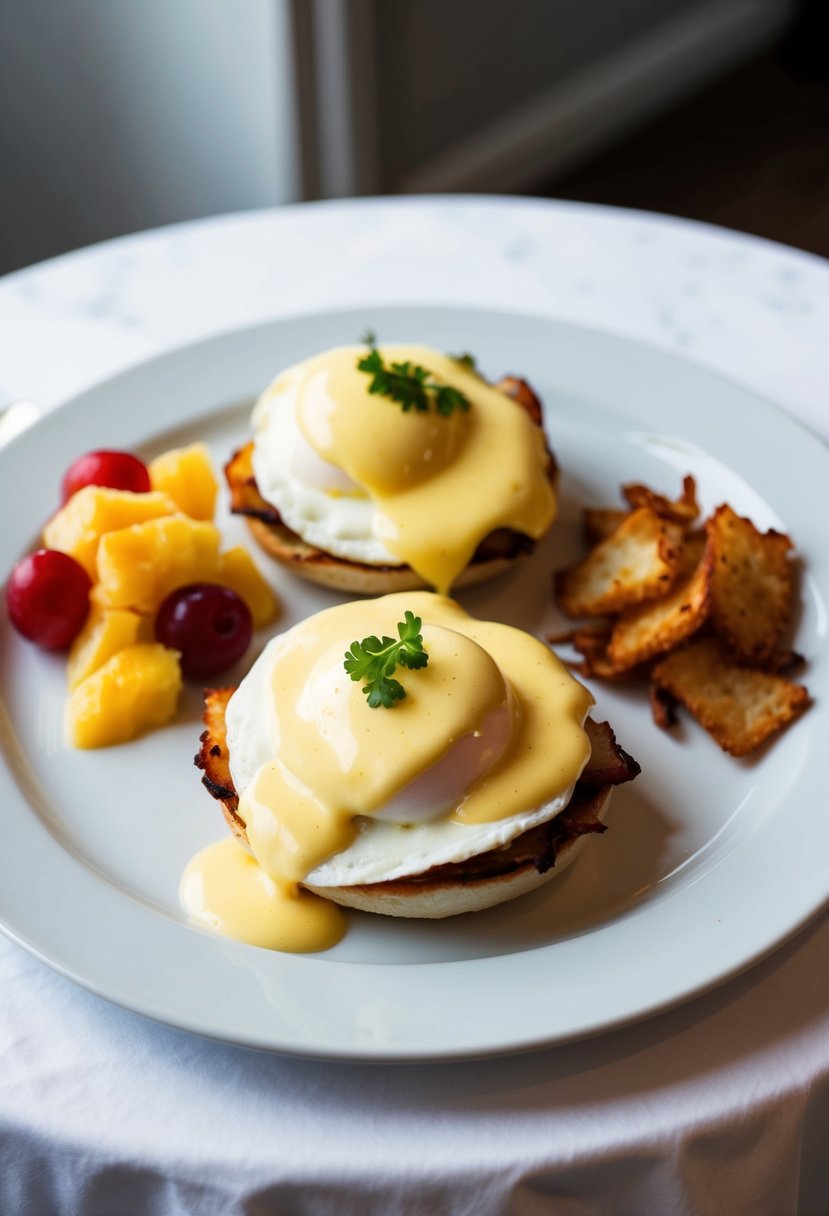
(440, 484)
(225, 889)
(336, 763)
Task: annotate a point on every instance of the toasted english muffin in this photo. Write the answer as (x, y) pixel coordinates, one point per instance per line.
(483, 881)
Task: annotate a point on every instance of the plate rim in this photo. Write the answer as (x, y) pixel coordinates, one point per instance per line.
(401, 1052)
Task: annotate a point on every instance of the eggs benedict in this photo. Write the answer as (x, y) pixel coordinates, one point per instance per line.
(439, 765)
(381, 469)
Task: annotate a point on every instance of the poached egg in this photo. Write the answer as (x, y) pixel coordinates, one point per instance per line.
(487, 743)
(357, 476)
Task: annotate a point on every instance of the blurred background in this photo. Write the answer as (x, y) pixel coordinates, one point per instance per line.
(119, 115)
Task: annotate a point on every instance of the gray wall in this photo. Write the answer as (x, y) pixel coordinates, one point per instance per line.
(117, 115)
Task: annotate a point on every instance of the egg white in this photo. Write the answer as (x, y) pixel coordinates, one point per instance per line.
(316, 499)
(383, 850)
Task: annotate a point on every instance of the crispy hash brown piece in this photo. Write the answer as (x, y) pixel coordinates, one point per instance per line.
(739, 706)
(784, 662)
(659, 625)
(591, 644)
(601, 522)
(638, 561)
(752, 585)
(729, 580)
(663, 706)
(684, 510)
(609, 765)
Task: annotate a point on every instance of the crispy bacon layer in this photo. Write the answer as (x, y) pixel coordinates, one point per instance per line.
(608, 765)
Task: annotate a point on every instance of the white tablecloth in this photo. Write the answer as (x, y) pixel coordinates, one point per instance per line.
(719, 1106)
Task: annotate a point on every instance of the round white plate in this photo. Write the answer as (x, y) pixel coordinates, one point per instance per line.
(709, 862)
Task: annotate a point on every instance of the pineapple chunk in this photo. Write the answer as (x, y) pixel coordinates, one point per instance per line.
(139, 566)
(103, 635)
(187, 476)
(238, 571)
(95, 510)
(135, 690)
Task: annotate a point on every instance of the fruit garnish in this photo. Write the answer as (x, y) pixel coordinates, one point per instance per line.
(209, 625)
(48, 598)
(135, 690)
(187, 476)
(117, 470)
(118, 547)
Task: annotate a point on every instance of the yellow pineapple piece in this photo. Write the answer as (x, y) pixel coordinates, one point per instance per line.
(136, 690)
(187, 476)
(95, 510)
(139, 566)
(238, 571)
(104, 634)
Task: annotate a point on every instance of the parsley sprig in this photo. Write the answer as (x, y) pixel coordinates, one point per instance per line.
(374, 660)
(409, 384)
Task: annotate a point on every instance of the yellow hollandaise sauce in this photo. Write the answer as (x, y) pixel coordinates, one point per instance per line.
(490, 728)
(225, 889)
(439, 484)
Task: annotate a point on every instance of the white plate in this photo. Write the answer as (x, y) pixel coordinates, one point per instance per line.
(709, 863)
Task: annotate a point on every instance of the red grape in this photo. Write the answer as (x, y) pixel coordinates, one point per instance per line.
(48, 598)
(117, 470)
(211, 627)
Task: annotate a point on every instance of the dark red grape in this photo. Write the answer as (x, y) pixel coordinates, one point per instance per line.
(211, 627)
(117, 470)
(48, 598)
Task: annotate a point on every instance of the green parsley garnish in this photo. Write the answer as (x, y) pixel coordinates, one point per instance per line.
(374, 661)
(466, 360)
(409, 384)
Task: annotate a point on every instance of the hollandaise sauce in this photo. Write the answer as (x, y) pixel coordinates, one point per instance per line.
(225, 889)
(488, 732)
(437, 484)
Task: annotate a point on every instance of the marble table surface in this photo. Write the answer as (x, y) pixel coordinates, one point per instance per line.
(751, 309)
(731, 1090)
